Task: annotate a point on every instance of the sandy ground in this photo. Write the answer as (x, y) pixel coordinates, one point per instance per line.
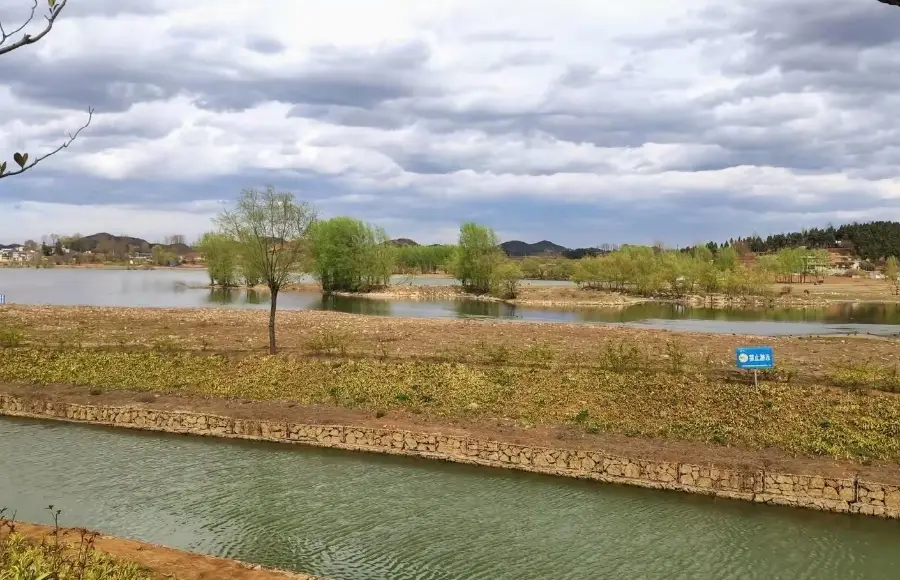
(554, 437)
(244, 331)
(166, 563)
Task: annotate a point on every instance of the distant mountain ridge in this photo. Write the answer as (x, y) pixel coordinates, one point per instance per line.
(106, 242)
(520, 249)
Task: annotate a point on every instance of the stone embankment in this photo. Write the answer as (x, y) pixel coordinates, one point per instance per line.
(847, 495)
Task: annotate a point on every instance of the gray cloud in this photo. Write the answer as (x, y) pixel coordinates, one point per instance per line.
(264, 45)
(334, 77)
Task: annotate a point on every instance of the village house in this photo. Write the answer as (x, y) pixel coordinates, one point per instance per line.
(16, 255)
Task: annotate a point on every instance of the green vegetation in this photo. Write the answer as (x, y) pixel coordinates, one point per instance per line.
(535, 268)
(481, 266)
(650, 271)
(350, 256)
(872, 241)
(892, 274)
(422, 259)
(476, 258)
(54, 559)
(221, 259)
(270, 231)
(620, 390)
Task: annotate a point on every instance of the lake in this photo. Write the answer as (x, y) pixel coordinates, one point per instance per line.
(184, 289)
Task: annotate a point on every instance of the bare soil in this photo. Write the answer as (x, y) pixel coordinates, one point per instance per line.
(245, 331)
(542, 436)
(166, 563)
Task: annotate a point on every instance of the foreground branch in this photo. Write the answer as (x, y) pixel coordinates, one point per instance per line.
(21, 159)
(891, 2)
(55, 10)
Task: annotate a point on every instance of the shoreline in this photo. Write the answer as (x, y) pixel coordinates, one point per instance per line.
(163, 561)
(843, 488)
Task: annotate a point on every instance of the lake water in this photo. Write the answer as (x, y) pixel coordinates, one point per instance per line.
(183, 289)
(355, 516)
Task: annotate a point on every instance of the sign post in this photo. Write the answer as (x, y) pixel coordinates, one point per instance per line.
(755, 358)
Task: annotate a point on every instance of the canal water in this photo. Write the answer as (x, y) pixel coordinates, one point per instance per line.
(184, 289)
(355, 516)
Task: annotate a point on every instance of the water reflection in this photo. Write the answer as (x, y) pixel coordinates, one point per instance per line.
(188, 289)
(236, 296)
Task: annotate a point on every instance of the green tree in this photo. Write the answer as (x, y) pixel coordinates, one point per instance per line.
(270, 230)
(507, 280)
(349, 255)
(726, 259)
(892, 274)
(476, 258)
(162, 256)
(55, 8)
(220, 255)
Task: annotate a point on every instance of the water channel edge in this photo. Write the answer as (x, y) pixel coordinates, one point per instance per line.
(840, 495)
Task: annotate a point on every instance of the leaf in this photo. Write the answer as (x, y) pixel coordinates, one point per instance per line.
(21, 159)
(52, 3)
(2, 168)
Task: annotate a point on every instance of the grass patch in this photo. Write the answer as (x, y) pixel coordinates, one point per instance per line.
(53, 558)
(11, 337)
(867, 375)
(634, 402)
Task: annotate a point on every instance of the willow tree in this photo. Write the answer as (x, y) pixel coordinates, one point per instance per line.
(349, 255)
(11, 40)
(269, 230)
(476, 258)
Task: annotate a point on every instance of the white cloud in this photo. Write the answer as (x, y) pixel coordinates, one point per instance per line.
(461, 102)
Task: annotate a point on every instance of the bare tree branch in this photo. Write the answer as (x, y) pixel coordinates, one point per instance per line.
(891, 2)
(22, 158)
(55, 9)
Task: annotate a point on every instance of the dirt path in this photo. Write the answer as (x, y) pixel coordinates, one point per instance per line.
(552, 437)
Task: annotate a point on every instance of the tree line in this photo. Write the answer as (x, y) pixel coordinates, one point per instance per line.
(873, 241)
(651, 271)
(270, 236)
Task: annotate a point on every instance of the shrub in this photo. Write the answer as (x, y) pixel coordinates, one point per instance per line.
(11, 337)
(328, 342)
(620, 357)
(507, 279)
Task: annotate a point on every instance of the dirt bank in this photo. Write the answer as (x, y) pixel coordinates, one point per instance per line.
(245, 330)
(566, 437)
(166, 563)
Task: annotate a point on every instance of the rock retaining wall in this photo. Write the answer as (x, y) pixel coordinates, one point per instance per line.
(822, 493)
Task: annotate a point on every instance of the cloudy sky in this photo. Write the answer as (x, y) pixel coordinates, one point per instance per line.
(580, 122)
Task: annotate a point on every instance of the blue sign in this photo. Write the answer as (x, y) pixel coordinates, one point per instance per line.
(755, 357)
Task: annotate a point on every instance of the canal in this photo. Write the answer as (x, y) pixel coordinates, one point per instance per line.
(355, 516)
(183, 289)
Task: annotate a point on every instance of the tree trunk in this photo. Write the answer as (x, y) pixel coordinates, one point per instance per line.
(272, 309)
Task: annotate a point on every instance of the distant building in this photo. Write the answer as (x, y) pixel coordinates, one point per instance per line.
(843, 259)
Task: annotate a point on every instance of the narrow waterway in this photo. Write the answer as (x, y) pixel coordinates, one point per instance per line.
(184, 289)
(354, 516)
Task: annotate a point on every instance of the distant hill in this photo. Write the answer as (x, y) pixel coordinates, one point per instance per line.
(516, 248)
(404, 242)
(111, 244)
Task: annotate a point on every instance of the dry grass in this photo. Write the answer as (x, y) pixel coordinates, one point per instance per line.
(233, 331)
(614, 397)
(54, 558)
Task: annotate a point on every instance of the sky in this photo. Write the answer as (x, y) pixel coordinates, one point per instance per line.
(579, 122)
